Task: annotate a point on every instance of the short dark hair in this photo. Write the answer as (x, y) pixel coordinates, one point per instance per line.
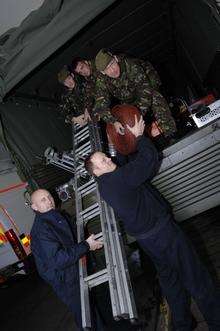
(75, 61)
(89, 165)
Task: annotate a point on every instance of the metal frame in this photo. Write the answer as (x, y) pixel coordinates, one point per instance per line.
(189, 175)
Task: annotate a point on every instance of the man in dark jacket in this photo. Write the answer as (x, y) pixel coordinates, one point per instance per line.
(56, 251)
(147, 216)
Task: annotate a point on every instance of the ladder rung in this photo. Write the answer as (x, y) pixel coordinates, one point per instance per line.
(94, 206)
(80, 167)
(79, 150)
(79, 133)
(81, 174)
(90, 212)
(82, 137)
(80, 170)
(85, 152)
(98, 236)
(87, 188)
(78, 127)
(82, 187)
(97, 278)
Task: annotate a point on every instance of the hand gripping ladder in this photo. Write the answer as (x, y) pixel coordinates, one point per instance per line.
(85, 140)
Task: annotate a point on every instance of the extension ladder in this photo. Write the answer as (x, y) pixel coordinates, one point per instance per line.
(91, 209)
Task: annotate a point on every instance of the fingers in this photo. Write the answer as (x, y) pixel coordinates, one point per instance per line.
(98, 244)
(121, 130)
(141, 122)
(136, 129)
(130, 128)
(141, 118)
(94, 243)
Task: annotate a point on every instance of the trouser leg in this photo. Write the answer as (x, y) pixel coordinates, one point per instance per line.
(72, 300)
(172, 287)
(179, 268)
(196, 279)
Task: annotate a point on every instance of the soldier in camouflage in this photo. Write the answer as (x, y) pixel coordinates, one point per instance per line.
(73, 105)
(133, 82)
(86, 69)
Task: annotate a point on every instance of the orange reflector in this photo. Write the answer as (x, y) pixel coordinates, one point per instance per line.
(25, 241)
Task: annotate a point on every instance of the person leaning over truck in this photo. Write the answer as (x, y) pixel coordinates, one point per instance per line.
(74, 101)
(56, 253)
(87, 69)
(147, 217)
(131, 82)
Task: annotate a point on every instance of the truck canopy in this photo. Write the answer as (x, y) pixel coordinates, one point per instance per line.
(42, 32)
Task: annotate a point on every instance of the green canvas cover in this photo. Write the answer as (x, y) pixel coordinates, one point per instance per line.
(42, 32)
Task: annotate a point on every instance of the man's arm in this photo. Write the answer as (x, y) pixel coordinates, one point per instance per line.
(144, 166)
(146, 163)
(102, 104)
(121, 159)
(57, 256)
(69, 107)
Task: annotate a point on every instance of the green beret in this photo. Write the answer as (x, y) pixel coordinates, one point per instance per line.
(63, 74)
(102, 60)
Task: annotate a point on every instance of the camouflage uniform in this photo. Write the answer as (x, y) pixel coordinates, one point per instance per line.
(152, 75)
(90, 86)
(74, 102)
(90, 93)
(134, 87)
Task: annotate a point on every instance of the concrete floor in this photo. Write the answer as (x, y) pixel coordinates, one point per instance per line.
(27, 303)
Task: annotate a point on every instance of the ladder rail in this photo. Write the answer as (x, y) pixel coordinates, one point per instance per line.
(84, 295)
(129, 297)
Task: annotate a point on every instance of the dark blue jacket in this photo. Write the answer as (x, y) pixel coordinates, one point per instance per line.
(129, 192)
(55, 249)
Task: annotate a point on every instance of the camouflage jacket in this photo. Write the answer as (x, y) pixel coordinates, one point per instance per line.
(132, 87)
(151, 73)
(74, 102)
(90, 86)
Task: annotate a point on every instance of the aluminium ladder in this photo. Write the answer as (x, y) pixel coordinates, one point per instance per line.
(85, 140)
(115, 271)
